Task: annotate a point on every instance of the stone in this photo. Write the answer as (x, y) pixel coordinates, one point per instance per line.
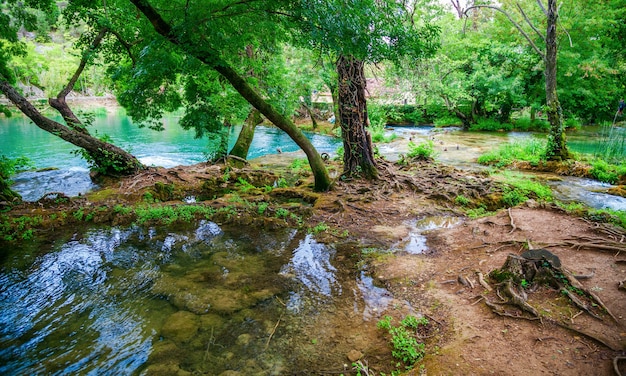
(354, 355)
(180, 327)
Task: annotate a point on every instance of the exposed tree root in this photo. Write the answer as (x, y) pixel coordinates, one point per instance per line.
(616, 364)
(535, 269)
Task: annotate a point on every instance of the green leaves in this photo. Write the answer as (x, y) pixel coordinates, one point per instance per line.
(369, 30)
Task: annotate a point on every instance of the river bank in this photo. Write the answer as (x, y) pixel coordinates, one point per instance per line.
(376, 226)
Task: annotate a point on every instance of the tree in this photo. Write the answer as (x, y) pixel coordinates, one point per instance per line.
(556, 148)
(105, 157)
(192, 31)
(356, 33)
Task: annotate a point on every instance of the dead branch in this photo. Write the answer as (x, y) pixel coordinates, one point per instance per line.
(481, 280)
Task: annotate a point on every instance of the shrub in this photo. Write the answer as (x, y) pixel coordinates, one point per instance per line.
(490, 125)
(423, 150)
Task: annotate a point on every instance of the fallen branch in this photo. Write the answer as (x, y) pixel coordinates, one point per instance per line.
(481, 280)
(267, 344)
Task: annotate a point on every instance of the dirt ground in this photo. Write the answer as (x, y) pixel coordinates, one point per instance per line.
(474, 340)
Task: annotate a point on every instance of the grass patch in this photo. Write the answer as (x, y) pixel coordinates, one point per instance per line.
(519, 188)
(531, 150)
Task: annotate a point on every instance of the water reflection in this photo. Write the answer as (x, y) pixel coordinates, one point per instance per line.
(187, 299)
(311, 266)
(416, 242)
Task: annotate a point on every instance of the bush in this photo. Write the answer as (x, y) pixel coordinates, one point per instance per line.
(490, 125)
(424, 150)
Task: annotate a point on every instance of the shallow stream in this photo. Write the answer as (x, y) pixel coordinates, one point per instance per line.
(201, 298)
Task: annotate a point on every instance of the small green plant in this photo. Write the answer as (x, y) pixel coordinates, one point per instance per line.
(79, 214)
(531, 150)
(281, 183)
(226, 175)
(148, 197)
(262, 207)
(298, 165)
(490, 125)
(405, 346)
(281, 213)
(320, 227)
(243, 185)
(424, 150)
(462, 200)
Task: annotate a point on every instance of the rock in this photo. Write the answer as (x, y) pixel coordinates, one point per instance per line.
(181, 326)
(244, 339)
(354, 355)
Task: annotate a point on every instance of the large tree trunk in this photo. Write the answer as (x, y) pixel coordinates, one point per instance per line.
(110, 159)
(557, 147)
(244, 140)
(358, 156)
(320, 174)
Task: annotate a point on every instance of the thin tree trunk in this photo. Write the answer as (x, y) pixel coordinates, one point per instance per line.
(244, 140)
(117, 161)
(60, 103)
(320, 174)
(557, 147)
(335, 97)
(358, 156)
(310, 112)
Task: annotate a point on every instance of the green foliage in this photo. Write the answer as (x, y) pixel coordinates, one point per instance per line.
(166, 215)
(378, 116)
(424, 150)
(405, 346)
(9, 167)
(320, 227)
(447, 121)
(299, 165)
(530, 150)
(524, 124)
(461, 200)
(243, 185)
(12, 229)
(478, 212)
(518, 188)
(490, 125)
(282, 213)
(606, 172)
(262, 207)
(612, 144)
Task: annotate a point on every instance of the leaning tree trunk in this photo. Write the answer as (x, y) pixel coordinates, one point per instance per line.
(244, 140)
(60, 104)
(557, 147)
(320, 174)
(358, 156)
(110, 159)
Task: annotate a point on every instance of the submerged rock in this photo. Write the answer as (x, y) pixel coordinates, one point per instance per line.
(181, 326)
